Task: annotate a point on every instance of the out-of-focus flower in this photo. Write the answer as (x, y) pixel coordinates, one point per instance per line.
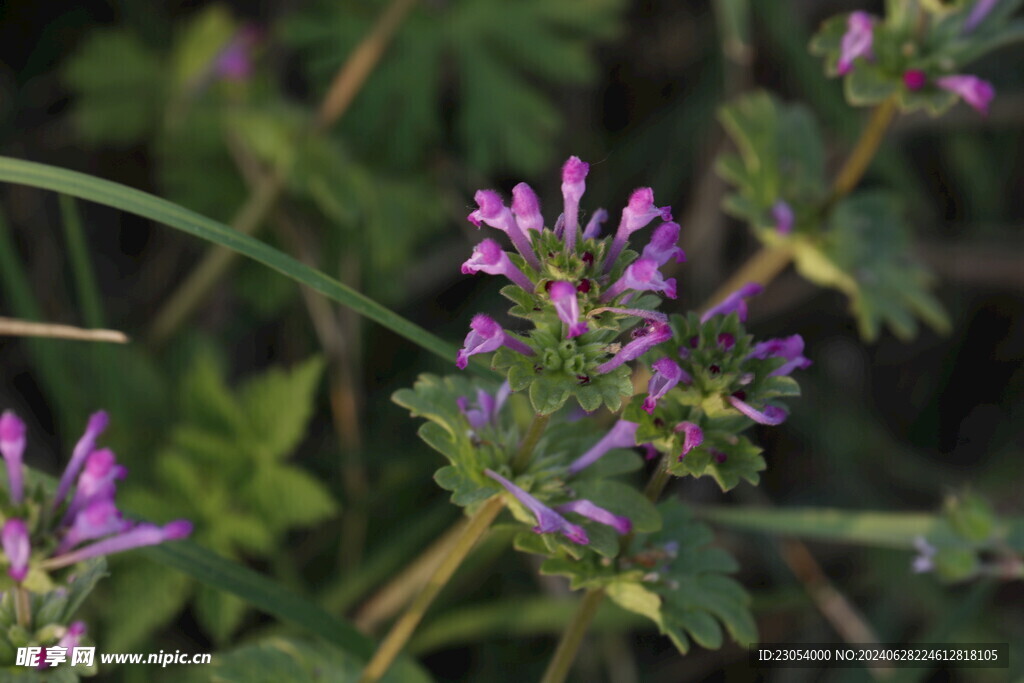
(856, 41)
(973, 90)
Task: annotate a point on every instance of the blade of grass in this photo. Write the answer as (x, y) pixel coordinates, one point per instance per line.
(81, 265)
(162, 211)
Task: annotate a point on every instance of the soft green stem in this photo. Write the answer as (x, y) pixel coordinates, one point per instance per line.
(564, 656)
(403, 629)
(81, 266)
(572, 637)
(533, 434)
(22, 608)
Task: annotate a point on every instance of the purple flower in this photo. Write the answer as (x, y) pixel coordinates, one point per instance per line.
(234, 63)
(771, 415)
(667, 374)
(734, 303)
(485, 411)
(136, 537)
(486, 335)
(73, 635)
(96, 481)
(97, 424)
(914, 79)
(791, 348)
(925, 560)
(526, 208)
(98, 519)
(662, 246)
(563, 296)
(856, 41)
(973, 90)
(493, 212)
(587, 509)
(642, 276)
(548, 521)
(593, 229)
(693, 436)
(621, 435)
(489, 258)
(654, 334)
(782, 214)
(12, 446)
(650, 452)
(638, 213)
(978, 13)
(574, 174)
(14, 538)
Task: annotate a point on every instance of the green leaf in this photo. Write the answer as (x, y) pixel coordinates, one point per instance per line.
(201, 40)
(881, 529)
(505, 118)
(742, 461)
(220, 614)
(286, 496)
(621, 499)
(118, 87)
(163, 591)
(864, 252)
(146, 205)
(279, 404)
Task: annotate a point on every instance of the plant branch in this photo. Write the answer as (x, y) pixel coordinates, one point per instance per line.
(402, 629)
(350, 78)
(533, 434)
(13, 327)
(565, 654)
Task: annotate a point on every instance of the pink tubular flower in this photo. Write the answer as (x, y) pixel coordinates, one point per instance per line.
(15, 542)
(642, 276)
(981, 9)
(489, 258)
(856, 41)
(638, 213)
(98, 519)
(662, 246)
(486, 335)
(526, 209)
(693, 436)
(485, 412)
(782, 214)
(654, 333)
(925, 559)
(97, 424)
(136, 537)
(574, 174)
(771, 415)
(621, 435)
(734, 303)
(667, 374)
(587, 509)
(791, 348)
(96, 481)
(563, 296)
(548, 521)
(914, 79)
(593, 229)
(73, 635)
(493, 212)
(12, 446)
(973, 90)
(234, 63)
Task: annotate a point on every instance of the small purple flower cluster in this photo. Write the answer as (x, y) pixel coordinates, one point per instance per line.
(857, 44)
(541, 271)
(81, 521)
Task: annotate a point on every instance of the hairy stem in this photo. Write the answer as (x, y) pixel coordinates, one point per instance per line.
(339, 97)
(402, 629)
(22, 609)
(533, 434)
(565, 654)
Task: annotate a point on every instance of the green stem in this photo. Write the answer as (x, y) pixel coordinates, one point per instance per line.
(22, 608)
(402, 629)
(78, 251)
(565, 654)
(533, 434)
(572, 637)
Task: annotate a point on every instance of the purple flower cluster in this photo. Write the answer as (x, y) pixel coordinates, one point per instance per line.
(532, 272)
(857, 44)
(85, 521)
